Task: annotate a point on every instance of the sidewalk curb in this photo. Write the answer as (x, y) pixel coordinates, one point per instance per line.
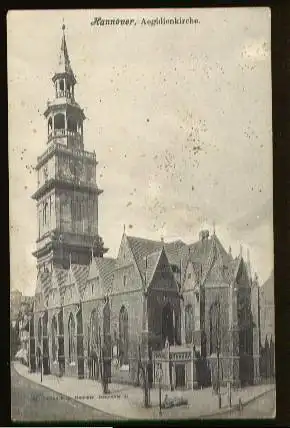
(236, 406)
(224, 411)
(70, 398)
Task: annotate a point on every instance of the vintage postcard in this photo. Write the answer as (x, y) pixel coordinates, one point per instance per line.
(140, 162)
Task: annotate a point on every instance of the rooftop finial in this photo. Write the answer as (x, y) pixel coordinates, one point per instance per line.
(241, 250)
(213, 226)
(63, 25)
(124, 228)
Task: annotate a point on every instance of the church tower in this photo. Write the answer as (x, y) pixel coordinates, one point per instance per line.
(67, 193)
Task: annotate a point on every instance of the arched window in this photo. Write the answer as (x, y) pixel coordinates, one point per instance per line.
(94, 342)
(45, 323)
(71, 124)
(54, 338)
(71, 338)
(79, 127)
(39, 330)
(189, 324)
(214, 328)
(61, 85)
(107, 326)
(123, 336)
(49, 124)
(59, 122)
(245, 322)
(95, 333)
(61, 356)
(45, 213)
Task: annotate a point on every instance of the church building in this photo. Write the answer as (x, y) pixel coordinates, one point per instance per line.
(191, 310)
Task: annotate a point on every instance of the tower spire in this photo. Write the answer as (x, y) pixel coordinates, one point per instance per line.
(64, 65)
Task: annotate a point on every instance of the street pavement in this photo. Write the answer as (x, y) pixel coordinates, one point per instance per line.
(32, 402)
(126, 402)
(263, 407)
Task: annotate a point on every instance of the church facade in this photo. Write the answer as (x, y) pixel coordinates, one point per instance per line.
(191, 310)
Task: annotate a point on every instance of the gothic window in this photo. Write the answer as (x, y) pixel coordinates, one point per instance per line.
(123, 336)
(214, 328)
(189, 324)
(95, 332)
(245, 323)
(124, 280)
(45, 322)
(59, 122)
(45, 213)
(54, 338)
(93, 288)
(60, 323)
(107, 324)
(71, 338)
(61, 85)
(39, 330)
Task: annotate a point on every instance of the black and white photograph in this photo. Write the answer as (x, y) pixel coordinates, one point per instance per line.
(141, 214)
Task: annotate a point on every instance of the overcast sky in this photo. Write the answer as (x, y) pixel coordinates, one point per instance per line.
(179, 117)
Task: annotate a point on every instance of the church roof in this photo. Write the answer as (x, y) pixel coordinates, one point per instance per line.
(106, 267)
(44, 284)
(61, 277)
(80, 273)
(142, 247)
(150, 263)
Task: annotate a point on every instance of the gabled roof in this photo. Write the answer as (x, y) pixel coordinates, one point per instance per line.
(61, 277)
(209, 259)
(54, 280)
(45, 279)
(93, 270)
(106, 267)
(150, 264)
(70, 279)
(80, 273)
(142, 247)
(232, 269)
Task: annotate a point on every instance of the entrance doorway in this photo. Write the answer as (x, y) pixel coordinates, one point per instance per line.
(167, 325)
(179, 375)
